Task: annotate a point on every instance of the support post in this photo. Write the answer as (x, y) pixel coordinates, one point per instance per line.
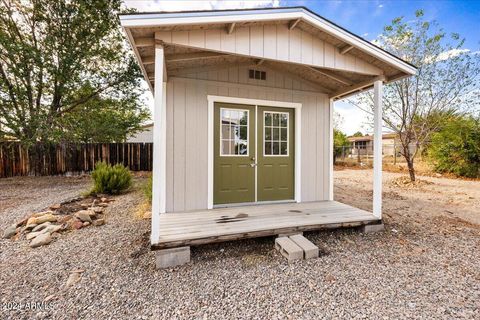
(159, 144)
(330, 153)
(377, 149)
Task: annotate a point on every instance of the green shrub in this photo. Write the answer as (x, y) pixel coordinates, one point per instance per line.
(456, 147)
(110, 179)
(147, 189)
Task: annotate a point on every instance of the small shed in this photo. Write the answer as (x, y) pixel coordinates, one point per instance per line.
(243, 136)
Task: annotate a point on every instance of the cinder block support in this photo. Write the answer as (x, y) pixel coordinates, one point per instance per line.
(309, 249)
(172, 257)
(369, 228)
(288, 249)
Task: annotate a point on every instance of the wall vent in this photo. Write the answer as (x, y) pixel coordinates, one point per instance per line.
(257, 74)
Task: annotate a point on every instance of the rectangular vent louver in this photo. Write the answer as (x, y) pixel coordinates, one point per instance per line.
(257, 74)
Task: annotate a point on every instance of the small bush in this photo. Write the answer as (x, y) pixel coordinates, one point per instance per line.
(147, 189)
(110, 179)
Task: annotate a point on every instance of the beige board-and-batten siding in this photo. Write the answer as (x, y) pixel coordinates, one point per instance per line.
(187, 133)
(275, 41)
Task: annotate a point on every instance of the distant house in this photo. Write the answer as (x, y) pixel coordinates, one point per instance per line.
(145, 135)
(364, 145)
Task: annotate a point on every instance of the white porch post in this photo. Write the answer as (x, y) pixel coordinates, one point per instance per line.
(159, 144)
(330, 153)
(377, 149)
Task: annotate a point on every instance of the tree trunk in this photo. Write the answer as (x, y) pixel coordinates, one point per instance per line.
(411, 169)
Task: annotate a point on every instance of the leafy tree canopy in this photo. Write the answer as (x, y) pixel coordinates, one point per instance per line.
(456, 147)
(63, 65)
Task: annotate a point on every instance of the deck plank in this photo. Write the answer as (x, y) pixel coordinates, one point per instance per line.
(224, 224)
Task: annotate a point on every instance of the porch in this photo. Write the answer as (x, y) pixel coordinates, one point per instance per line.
(233, 223)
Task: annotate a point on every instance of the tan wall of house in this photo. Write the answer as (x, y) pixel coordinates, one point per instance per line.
(187, 134)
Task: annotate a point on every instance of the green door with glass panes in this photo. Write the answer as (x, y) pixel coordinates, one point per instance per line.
(253, 154)
(276, 149)
(234, 148)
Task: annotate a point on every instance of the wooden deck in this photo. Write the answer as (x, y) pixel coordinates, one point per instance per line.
(225, 224)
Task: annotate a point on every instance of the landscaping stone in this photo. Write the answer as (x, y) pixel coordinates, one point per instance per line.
(10, 231)
(32, 235)
(41, 226)
(55, 206)
(98, 222)
(369, 228)
(41, 240)
(75, 223)
(86, 224)
(72, 279)
(83, 215)
(41, 219)
(97, 209)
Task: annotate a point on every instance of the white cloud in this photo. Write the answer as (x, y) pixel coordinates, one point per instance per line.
(380, 5)
(451, 54)
(181, 5)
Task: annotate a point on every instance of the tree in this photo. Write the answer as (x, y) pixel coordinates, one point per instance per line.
(340, 141)
(456, 147)
(357, 134)
(50, 52)
(446, 82)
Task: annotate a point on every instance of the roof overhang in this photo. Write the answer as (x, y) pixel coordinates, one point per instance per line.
(203, 19)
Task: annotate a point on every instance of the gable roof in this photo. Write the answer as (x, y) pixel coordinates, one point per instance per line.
(264, 14)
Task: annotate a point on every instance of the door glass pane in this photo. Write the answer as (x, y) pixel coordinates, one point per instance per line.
(276, 133)
(283, 148)
(268, 133)
(268, 119)
(233, 132)
(276, 119)
(268, 147)
(276, 147)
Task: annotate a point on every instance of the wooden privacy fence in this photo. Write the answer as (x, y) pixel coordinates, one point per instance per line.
(60, 159)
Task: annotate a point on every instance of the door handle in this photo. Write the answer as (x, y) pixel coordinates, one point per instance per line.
(253, 165)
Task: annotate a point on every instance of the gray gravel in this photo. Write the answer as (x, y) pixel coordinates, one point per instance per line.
(412, 270)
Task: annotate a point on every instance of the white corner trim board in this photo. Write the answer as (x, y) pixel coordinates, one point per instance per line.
(234, 16)
(256, 102)
(377, 149)
(159, 145)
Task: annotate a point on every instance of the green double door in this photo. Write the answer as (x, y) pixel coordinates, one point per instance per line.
(253, 154)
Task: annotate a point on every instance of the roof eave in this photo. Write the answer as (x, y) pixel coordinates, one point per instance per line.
(230, 16)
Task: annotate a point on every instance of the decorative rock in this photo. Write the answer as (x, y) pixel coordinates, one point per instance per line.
(55, 206)
(99, 222)
(95, 202)
(39, 214)
(31, 221)
(104, 199)
(147, 215)
(97, 209)
(41, 240)
(28, 227)
(83, 215)
(72, 279)
(86, 224)
(10, 231)
(41, 226)
(75, 223)
(103, 205)
(32, 235)
(22, 222)
(41, 219)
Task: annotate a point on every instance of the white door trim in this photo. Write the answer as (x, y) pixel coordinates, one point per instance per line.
(256, 102)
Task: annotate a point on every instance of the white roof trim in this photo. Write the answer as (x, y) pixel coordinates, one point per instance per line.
(205, 17)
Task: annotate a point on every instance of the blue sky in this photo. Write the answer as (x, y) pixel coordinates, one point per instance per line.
(363, 17)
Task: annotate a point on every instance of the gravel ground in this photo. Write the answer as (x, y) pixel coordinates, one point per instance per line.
(425, 265)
